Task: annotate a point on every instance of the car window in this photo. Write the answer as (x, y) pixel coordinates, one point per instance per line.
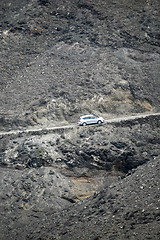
(89, 117)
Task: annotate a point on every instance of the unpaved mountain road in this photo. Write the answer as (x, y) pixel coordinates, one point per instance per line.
(48, 129)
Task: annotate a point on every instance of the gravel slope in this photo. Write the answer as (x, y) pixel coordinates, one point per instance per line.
(127, 209)
(61, 58)
(47, 181)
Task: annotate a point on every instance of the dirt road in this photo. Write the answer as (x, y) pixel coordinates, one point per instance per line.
(38, 130)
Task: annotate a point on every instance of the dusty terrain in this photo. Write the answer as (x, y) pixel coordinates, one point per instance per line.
(59, 60)
(47, 175)
(64, 58)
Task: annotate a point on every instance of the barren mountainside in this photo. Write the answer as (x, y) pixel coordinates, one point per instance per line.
(61, 59)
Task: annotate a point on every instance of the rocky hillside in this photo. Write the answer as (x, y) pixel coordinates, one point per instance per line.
(64, 58)
(128, 209)
(46, 178)
(59, 60)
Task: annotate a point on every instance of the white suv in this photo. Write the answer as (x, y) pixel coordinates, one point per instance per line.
(90, 119)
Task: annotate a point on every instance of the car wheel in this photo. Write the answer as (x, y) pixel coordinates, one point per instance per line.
(84, 124)
(99, 122)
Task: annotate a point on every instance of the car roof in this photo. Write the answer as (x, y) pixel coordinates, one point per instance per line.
(91, 115)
